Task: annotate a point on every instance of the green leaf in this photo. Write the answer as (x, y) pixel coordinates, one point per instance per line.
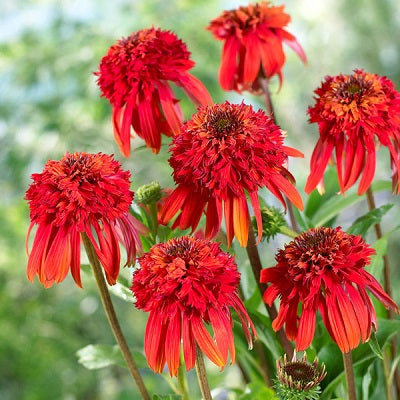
(362, 224)
(375, 267)
(167, 397)
(338, 203)
(99, 356)
(258, 391)
(96, 356)
(123, 292)
(373, 343)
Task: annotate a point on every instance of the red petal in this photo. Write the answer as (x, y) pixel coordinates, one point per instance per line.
(206, 343)
(195, 89)
(228, 211)
(148, 126)
(319, 160)
(76, 257)
(306, 329)
(369, 168)
(291, 41)
(189, 345)
(173, 203)
(213, 218)
(288, 189)
(122, 129)
(172, 343)
(154, 341)
(223, 333)
(228, 66)
(252, 58)
(241, 220)
(168, 107)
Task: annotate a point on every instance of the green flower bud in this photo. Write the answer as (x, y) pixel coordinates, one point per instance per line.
(272, 220)
(148, 194)
(299, 379)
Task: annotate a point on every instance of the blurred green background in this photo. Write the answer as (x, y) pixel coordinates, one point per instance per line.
(49, 103)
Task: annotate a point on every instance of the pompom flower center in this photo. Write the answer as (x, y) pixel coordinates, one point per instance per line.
(221, 124)
(79, 187)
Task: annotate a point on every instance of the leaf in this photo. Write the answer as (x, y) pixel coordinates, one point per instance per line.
(122, 292)
(338, 203)
(362, 224)
(96, 356)
(167, 397)
(375, 267)
(258, 391)
(99, 356)
(373, 343)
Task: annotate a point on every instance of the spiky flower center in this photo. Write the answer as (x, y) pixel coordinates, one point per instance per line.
(300, 371)
(221, 124)
(353, 88)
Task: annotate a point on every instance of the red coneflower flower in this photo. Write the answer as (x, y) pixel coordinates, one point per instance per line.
(223, 152)
(354, 113)
(186, 283)
(253, 37)
(323, 269)
(134, 77)
(81, 193)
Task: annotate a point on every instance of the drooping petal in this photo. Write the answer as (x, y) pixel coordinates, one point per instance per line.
(227, 70)
(241, 220)
(305, 333)
(189, 345)
(173, 343)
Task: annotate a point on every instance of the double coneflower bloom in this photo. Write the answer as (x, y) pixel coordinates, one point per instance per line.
(80, 194)
(323, 270)
(224, 153)
(186, 284)
(355, 113)
(253, 38)
(135, 77)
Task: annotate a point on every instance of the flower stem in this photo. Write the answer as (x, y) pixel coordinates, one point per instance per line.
(154, 219)
(270, 110)
(112, 317)
(202, 376)
(255, 262)
(182, 381)
(348, 369)
(288, 232)
(386, 283)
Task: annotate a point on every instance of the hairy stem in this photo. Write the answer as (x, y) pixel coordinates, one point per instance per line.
(202, 375)
(255, 262)
(348, 369)
(112, 317)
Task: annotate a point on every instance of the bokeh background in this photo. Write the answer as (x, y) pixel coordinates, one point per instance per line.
(49, 104)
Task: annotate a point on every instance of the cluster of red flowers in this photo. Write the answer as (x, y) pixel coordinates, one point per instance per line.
(221, 157)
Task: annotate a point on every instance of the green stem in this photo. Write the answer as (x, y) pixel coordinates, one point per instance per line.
(348, 369)
(154, 219)
(202, 375)
(387, 285)
(255, 262)
(285, 230)
(112, 317)
(182, 381)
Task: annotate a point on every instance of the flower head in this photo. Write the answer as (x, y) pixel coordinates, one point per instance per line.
(81, 193)
(299, 379)
(253, 37)
(223, 152)
(134, 76)
(354, 113)
(323, 269)
(186, 283)
(272, 220)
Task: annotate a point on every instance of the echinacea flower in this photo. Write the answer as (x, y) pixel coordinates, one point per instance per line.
(323, 269)
(187, 284)
(134, 76)
(223, 153)
(299, 379)
(253, 38)
(81, 193)
(355, 113)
